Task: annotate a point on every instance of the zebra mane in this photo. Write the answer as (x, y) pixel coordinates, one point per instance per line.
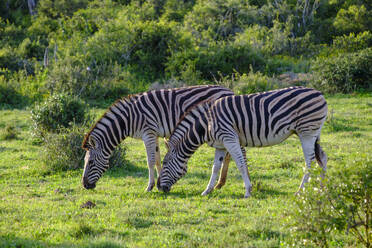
(192, 108)
(129, 98)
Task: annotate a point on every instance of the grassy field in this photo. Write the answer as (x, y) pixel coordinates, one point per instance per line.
(39, 210)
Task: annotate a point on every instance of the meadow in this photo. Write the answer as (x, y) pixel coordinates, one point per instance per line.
(39, 209)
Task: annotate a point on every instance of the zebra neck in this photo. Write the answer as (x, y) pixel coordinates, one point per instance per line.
(121, 120)
(192, 131)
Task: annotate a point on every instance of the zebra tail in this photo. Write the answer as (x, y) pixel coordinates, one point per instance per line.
(318, 151)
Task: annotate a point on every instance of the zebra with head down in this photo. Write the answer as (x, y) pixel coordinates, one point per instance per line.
(256, 120)
(146, 116)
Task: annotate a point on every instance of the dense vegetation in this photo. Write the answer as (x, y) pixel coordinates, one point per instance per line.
(62, 62)
(105, 49)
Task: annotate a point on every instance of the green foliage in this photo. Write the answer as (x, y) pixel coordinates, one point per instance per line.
(10, 132)
(345, 72)
(9, 95)
(143, 45)
(219, 20)
(105, 49)
(8, 60)
(56, 112)
(55, 9)
(118, 158)
(62, 150)
(252, 82)
(281, 64)
(341, 203)
(353, 42)
(218, 58)
(354, 19)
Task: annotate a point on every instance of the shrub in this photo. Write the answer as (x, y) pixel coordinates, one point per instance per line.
(219, 20)
(56, 112)
(353, 42)
(95, 81)
(9, 94)
(340, 203)
(10, 132)
(143, 45)
(354, 19)
(69, 76)
(217, 59)
(251, 83)
(62, 151)
(344, 73)
(117, 158)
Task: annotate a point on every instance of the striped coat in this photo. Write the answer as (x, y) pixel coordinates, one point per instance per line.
(256, 120)
(145, 116)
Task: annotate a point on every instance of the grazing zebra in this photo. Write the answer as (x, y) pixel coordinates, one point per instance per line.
(256, 120)
(146, 116)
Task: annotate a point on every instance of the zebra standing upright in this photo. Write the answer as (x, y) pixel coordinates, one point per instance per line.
(256, 120)
(146, 116)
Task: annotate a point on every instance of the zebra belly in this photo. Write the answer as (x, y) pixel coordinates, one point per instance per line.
(216, 144)
(272, 139)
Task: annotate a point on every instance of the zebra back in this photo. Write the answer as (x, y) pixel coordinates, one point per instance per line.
(268, 118)
(156, 111)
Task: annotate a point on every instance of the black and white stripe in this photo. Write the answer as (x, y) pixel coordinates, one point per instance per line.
(256, 120)
(146, 116)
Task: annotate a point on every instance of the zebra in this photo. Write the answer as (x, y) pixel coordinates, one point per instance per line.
(145, 116)
(256, 120)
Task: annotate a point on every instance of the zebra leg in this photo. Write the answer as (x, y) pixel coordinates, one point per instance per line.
(321, 157)
(223, 175)
(157, 157)
(150, 144)
(234, 148)
(308, 148)
(218, 158)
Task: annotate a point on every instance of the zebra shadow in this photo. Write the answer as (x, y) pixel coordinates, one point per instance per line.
(221, 194)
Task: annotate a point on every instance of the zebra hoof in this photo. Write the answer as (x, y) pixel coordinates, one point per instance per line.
(150, 187)
(247, 195)
(206, 192)
(219, 185)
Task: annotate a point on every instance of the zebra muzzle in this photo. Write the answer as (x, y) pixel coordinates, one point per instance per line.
(88, 185)
(163, 188)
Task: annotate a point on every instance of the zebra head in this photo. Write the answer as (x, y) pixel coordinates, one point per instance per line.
(173, 169)
(95, 163)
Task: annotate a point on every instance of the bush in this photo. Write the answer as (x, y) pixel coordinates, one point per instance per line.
(62, 150)
(142, 45)
(9, 94)
(219, 20)
(117, 158)
(56, 112)
(217, 59)
(344, 73)
(9, 133)
(353, 42)
(95, 81)
(250, 83)
(341, 205)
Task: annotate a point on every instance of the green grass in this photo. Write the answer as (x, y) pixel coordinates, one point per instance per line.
(41, 210)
